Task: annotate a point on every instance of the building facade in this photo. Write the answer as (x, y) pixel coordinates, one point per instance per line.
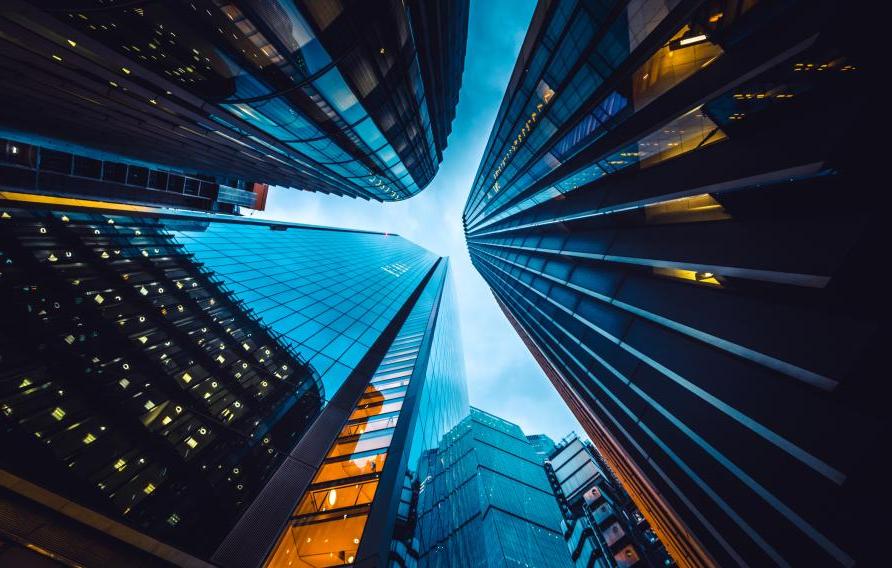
(602, 526)
(338, 96)
(542, 444)
(179, 388)
(659, 214)
(484, 500)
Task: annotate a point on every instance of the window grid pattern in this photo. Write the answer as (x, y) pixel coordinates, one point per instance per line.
(329, 522)
(329, 294)
(485, 500)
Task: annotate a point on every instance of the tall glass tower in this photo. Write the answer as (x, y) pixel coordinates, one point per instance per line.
(484, 500)
(665, 213)
(197, 389)
(191, 102)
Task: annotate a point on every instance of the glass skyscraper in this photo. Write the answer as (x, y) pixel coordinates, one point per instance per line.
(484, 500)
(194, 389)
(191, 103)
(676, 224)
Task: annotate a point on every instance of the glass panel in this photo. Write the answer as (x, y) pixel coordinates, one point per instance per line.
(375, 441)
(670, 65)
(340, 497)
(330, 471)
(336, 91)
(373, 410)
(327, 543)
(369, 425)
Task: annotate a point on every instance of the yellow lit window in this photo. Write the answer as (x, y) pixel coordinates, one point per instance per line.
(89, 438)
(58, 413)
(120, 465)
(148, 489)
(330, 543)
(340, 497)
(191, 442)
(680, 58)
(331, 471)
(692, 209)
(700, 277)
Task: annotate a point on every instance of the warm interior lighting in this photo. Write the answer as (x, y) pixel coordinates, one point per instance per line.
(691, 275)
(66, 201)
(697, 208)
(692, 40)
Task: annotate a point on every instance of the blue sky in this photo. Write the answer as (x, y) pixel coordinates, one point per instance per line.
(503, 378)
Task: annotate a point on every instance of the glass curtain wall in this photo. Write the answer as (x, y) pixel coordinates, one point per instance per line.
(328, 524)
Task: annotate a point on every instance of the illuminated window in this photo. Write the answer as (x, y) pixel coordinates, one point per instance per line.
(89, 438)
(341, 469)
(148, 489)
(691, 131)
(697, 208)
(684, 55)
(691, 275)
(58, 413)
(120, 465)
(329, 543)
(342, 496)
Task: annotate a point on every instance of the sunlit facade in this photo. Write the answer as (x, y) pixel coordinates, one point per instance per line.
(349, 98)
(484, 500)
(167, 376)
(664, 213)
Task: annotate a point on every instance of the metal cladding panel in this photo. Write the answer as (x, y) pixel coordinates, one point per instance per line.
(661, 211)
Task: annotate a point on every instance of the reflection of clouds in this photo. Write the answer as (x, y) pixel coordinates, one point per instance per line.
(503, 378)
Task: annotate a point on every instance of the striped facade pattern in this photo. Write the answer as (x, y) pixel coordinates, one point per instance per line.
(672, 242)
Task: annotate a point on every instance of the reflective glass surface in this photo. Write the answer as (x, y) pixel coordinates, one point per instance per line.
(133, 383)
(484, 500)
(329, 523)
(328, 293)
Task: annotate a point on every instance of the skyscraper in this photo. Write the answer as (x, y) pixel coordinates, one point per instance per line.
(484, 500)
(343, 97)
(663, 213)
(602, 527)
(182, 387)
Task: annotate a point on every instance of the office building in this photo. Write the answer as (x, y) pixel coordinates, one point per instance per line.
(196, 102)
(602, 526)
(542, 444)
(665, 213)
(484, 500)
(183, 388)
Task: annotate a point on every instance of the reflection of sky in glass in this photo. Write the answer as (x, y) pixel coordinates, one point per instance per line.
(503, 378)
(329, 293)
